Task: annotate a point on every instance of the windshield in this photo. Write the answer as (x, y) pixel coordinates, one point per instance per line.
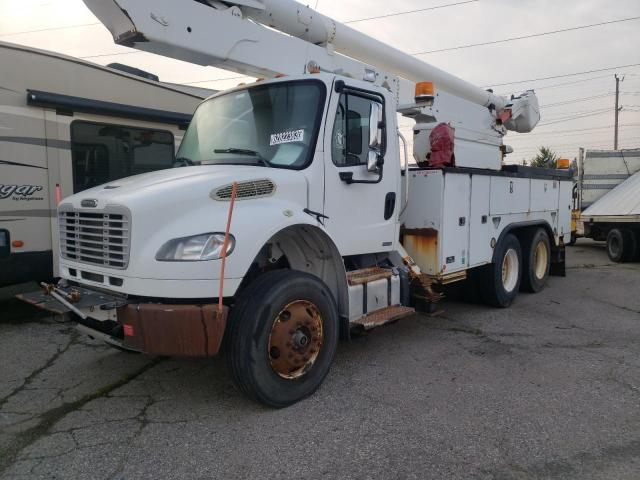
(273, 125)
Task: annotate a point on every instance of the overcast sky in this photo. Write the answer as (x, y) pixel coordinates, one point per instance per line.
(67, 26)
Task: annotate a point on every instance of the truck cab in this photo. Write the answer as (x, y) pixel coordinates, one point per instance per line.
(304, 155)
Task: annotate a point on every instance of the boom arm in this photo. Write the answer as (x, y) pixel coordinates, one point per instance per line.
(232, 35)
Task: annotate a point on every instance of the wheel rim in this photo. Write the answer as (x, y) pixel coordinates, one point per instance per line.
(614, 246)
(510, 270)
(296, 339)
(540, 260)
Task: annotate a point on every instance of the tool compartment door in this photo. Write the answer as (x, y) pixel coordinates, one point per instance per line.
(544, 194)
(455, 223)
(509, 195)
(480, 251)
(564, 209)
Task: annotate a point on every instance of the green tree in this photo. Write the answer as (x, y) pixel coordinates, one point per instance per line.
(546, 158)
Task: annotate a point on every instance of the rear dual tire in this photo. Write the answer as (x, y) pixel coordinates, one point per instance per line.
(519, 265)
(537, 260)
(500, 281)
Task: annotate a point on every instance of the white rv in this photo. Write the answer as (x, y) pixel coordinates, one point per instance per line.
(67, 125)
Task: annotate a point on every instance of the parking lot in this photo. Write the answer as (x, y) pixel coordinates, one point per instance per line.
(549, 388)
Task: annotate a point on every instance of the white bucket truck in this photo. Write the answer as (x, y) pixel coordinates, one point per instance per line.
(299, 188)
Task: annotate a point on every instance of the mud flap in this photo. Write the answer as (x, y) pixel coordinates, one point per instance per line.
(557, 268)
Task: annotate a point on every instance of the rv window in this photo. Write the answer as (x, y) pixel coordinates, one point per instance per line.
(101, 153)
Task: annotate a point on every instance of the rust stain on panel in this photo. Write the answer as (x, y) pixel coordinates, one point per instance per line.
(422, 245)
(174, 330)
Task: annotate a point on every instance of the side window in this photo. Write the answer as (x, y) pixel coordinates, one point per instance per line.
(350, 138)
(101, 153)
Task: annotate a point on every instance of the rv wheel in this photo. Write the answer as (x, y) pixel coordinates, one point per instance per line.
(502, 278)
(536, 260)
(283, 336)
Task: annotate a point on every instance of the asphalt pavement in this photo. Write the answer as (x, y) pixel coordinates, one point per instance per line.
(547, 389)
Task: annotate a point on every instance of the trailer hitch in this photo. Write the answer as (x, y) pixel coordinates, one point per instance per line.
(65, 298)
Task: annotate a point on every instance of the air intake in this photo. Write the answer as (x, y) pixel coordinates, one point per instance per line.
(246, 190)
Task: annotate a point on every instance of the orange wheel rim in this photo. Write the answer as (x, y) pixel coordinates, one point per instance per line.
(296, 339)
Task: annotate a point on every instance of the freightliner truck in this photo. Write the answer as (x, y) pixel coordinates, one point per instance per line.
(297, 217)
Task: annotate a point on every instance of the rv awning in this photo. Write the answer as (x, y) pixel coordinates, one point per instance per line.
(70, 104)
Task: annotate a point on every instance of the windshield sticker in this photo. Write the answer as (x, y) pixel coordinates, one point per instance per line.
(287, 137)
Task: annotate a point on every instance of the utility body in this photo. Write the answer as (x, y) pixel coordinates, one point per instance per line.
(300, 189)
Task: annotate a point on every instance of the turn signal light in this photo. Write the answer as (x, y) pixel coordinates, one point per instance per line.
(425, 91)
(563, 163)
(17, 244)
(313, 67)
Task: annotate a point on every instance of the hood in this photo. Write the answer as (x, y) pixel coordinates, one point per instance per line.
(184, 186)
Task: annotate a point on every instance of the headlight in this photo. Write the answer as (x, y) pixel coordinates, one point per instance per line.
(207, 246)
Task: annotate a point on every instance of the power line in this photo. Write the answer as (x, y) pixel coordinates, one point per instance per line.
(555, 85)
(542, 34)
(571, 133)
(573, 114)
(572, 141)
(50, 28)
(574, 117)
(563, 146)
(411, 11)
(576, 100)
(580, 129)
(563, 75)
(593, 144)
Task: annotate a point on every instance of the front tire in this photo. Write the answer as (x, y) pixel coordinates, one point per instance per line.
(283, 336)
(502, 278)
(536, 261)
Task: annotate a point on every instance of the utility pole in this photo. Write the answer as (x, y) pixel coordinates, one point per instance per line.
(615, 135)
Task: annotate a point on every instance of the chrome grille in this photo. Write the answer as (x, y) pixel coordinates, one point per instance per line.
(246, 189)
(97, 238)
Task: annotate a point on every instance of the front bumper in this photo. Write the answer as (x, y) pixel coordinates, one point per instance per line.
(120, 282)
(150, 328)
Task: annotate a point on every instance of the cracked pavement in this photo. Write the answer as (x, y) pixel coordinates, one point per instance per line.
(548, 389)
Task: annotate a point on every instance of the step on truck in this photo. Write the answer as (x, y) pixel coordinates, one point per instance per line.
(298, 218)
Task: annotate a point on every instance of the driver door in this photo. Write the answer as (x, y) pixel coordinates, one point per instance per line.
(362, 216)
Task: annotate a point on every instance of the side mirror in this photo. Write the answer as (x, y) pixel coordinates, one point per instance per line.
(375, 121)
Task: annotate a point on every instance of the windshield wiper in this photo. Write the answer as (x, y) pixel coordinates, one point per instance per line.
(244, 151)
(183, 162)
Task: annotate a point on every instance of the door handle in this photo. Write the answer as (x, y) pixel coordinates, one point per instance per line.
(389, 205)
